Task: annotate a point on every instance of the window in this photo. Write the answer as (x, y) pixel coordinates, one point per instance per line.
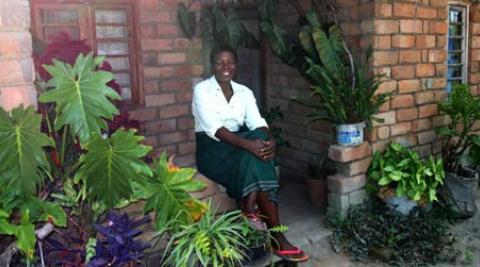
(106, 25)
(457, 46)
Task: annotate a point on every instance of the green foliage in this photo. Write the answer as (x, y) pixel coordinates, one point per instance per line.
(403, 170)
(211, 241)
(83, 100)
(186, 19)
(343, 90)
(464, 110)
(22, 161)
(168, 193)
(418, 239)
(111, 164)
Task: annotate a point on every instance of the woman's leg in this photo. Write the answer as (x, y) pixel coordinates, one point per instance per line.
(270, 210)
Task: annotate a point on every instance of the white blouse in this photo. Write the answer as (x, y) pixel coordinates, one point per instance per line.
(212, 111)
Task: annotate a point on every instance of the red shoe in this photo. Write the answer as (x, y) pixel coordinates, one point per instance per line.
(293, 255)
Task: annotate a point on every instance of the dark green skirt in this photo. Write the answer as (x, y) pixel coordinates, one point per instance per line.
(239, 171)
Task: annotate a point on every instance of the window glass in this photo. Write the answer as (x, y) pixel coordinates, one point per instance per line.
(456, 59)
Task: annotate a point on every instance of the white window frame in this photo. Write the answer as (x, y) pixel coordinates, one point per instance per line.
(464, 56)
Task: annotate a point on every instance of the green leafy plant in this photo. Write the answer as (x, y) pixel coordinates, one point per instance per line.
(211, 241)
(167, 193)
(343, 90)
(464, 110)
(401, 169)
(374, 229)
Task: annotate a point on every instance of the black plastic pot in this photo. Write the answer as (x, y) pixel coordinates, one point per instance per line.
(257, 256)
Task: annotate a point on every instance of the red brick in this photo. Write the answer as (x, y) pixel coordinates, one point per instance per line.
(15, 43)
(13, 96)
(402, 101)
(401, 128)
(174, 111)
(387, 87)
(15, 14)
(187, 148)
(475, 28)
(403, 41)
(16, 72)
(172, 138)
(409, 56)
(407, 114)
(426, 137)
(424, 98)
(383, 132)
(425, 41)
(144, 114)
(383, 26)
(439, 121)
(382, 42)
(148, 31)
(441, 41)
(426, 12)
(150, 141)
(155, 16)
(425, 70)
(438, 27)
(185, 123)
(403, 72)
(157, 72)
(427, 110)
(383, 10)
(171, 58)
(184, 97)
(148, 4)
(404, 9)
(161, 126)
(188, 71)
(388, 117)
(347, 154)
(339, 183)
(407, 86)
(165, 30)
(157, 44)
(159, 99)
(176, 85)
(421, 124)
(407, 140)
(439, 55)
(151, 87)
(385, 58)
(439, 3)
(410, 26)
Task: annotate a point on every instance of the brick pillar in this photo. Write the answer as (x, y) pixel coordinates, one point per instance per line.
(347, 186)
(17, 70)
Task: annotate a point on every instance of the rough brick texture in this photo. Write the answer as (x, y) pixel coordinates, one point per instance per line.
(16, 72)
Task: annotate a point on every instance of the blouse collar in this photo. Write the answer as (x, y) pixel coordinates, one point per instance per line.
(235, 86)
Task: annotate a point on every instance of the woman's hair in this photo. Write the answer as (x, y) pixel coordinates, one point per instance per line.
(221, 49)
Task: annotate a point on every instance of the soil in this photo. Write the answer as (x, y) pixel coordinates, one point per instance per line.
(467, 238)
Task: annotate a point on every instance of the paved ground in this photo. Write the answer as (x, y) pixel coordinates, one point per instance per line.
(307, 229)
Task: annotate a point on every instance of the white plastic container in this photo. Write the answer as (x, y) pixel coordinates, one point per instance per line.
(350, 134)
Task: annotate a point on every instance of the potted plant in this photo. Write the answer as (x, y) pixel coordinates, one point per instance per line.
(343, 91)
(402, 179)
(461, 178)
(316, 181)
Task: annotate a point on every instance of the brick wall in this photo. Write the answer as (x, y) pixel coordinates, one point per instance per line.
(474, 48)
(16, 65)
(171, 65)
(410, 49)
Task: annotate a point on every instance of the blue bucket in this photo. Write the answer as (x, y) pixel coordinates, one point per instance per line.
(350, 134)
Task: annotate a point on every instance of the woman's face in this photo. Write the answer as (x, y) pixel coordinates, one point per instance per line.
(224, 67)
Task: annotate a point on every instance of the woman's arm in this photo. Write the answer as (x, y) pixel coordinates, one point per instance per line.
(258, 147)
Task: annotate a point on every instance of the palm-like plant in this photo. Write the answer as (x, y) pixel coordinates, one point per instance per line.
(212, 241)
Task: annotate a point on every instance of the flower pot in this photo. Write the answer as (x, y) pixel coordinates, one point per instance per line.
(257, 256)
(317, 192)
(350, 134)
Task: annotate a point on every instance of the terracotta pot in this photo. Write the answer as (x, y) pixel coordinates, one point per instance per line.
(317, 192)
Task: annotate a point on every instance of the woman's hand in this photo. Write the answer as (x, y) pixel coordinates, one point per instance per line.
(264, 150)
(268, 151)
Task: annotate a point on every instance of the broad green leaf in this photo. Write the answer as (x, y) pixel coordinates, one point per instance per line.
(25, 234)
(172, 187)
(186, 20)
(329, 47)
(384, 181)
(46, 211)
(82, 98)
(110, 164)
(22, 159)
(6, 228)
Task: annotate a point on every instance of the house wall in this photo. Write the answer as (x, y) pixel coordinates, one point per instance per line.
(16, 64)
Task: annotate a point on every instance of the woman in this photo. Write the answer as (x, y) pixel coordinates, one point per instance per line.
(234, 146)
